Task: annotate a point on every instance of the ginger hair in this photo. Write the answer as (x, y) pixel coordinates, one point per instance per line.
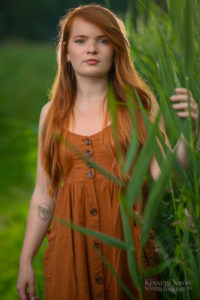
(55, 157)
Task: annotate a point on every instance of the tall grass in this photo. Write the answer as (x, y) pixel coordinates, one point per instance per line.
(166, 53)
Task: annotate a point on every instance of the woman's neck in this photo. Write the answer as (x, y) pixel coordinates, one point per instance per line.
(90, 91)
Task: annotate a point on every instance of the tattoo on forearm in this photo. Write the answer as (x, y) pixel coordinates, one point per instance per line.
(44, 212)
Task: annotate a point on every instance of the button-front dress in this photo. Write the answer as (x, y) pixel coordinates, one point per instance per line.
(73, 269)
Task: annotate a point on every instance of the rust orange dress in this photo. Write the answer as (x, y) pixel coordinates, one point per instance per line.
(73, 270)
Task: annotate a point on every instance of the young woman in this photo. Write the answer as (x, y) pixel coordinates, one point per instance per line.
(92, 49)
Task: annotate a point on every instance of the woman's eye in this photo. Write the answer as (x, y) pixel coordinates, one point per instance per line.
(79, 41)
(104, 41)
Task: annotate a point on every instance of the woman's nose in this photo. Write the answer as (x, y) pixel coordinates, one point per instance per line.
(92, 47)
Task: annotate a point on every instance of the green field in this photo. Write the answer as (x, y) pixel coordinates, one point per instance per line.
(27, 72)
(165, 51)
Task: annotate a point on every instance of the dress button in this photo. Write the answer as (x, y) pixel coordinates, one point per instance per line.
(96, 245)
(93, 211)
(89, 165)
(88, 153)
(98, 279)
(90, 174)
(87, 141)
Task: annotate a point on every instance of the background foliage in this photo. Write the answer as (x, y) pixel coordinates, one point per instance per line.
(164, 40)
(38, 20)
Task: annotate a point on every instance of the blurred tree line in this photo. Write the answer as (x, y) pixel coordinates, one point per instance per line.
(37, 20)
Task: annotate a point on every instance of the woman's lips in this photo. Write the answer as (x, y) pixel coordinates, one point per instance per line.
(92, 61)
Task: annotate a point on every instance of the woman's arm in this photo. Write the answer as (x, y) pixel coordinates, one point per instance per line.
(180, 103)
(39, 218)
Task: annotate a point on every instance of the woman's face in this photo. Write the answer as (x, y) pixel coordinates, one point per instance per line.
(89, 50)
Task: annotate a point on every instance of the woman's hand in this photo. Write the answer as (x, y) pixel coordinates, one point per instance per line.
(26, 278)
(180, 103)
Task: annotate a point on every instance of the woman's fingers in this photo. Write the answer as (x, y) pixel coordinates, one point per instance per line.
(182, 103)
(32, 292)
(26, 280)
(21, 289)
(28, 297)
(183, 98)
(182, 91)
(184, 106)
(185, 114)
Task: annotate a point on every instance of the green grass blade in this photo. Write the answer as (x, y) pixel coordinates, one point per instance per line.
(141, 166)
(131, 152)
(188, 37)
(194, 275)
(156, 194)
(158, 269)
(82, 155)
(131, 255)
(148, 125)
(113, 112)
(124, 287)
(101, 236)
(134, 140)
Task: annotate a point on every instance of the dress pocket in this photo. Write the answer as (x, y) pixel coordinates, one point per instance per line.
(48, 255)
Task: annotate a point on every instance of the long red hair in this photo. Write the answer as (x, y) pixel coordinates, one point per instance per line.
(56, 157)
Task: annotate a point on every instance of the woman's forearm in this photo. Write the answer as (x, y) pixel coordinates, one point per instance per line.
(39, 218)
(182, 155)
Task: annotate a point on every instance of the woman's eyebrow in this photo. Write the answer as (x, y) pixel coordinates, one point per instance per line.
(85, 36)
(80, 35)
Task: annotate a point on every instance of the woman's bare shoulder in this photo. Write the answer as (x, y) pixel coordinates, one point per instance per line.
(45, 108)
(44, 112)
